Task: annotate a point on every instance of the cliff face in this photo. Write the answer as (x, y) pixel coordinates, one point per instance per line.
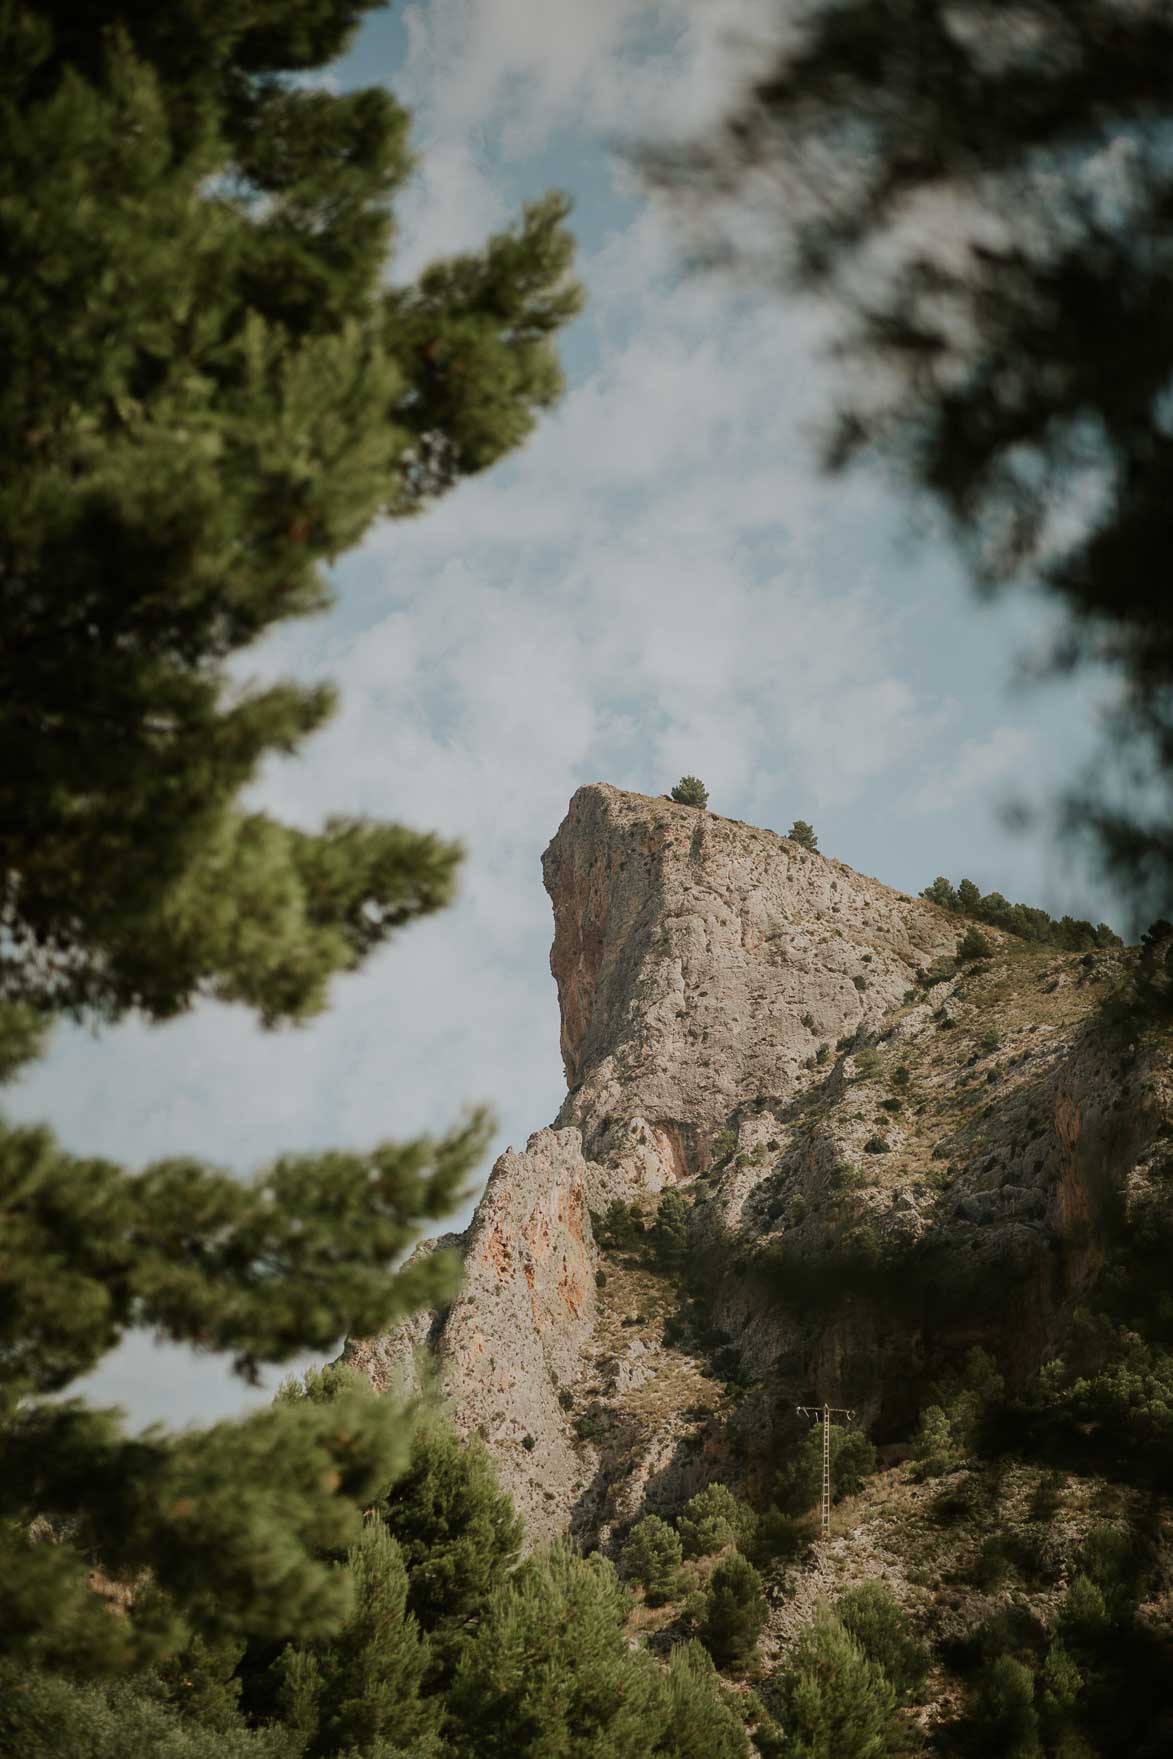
(700, 963)
(877, 1169)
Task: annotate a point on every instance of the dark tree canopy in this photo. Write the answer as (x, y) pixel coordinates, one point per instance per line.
(986, 191)
(210, 391)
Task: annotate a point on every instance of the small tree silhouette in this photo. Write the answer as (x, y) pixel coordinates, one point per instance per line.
(801, 832)
(691, 791)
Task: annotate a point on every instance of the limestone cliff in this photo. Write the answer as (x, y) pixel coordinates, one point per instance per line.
(756, 1025)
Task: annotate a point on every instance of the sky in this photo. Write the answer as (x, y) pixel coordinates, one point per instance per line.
(661, 582)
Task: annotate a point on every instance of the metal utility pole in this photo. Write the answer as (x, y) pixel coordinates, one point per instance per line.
(823, 1414)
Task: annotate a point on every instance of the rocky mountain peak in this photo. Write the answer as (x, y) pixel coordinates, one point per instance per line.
(884, 1156)
(700, 962)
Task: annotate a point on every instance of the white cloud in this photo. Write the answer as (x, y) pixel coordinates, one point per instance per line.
(974, 770)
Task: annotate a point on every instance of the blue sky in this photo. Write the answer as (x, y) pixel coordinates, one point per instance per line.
(661, 582)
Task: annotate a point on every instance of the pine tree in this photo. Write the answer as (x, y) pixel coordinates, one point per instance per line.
(210, 391)
(670, 1232)
(712, 1519)
(871, 1615)
(549, 1670)
(691, 791)
(836, 1703)
(362, 1687)
(652, 1556)
(700, 1723)
(1024, 350)
(734, 1613)
(458, 1533)
(1004, 1714)
(45, 1716)
(211, 394)
(803, 834)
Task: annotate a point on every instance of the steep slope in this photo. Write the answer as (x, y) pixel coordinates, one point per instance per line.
(881, 1168)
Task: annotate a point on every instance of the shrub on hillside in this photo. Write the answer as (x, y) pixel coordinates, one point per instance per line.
(652, 1557)
(834, 1701)
(712, 1519)
(734, 1613)
(973, 945)
(803, 834)
(872, 1615)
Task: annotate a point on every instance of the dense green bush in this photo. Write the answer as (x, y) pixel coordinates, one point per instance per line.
(652, 1556)
(691, 791)
(712, 1519)
(872, 1615)
(669, 1232)
(798, 1486)
(620, 1228)
(803, 834)
(1073, 935)
(973, 945)
(834, 1702)
(734, 1613)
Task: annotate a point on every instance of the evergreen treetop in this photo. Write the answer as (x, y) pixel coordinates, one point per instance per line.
(691, 791)
(210, 392)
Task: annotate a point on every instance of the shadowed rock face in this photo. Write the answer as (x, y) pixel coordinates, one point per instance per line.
(701, 964)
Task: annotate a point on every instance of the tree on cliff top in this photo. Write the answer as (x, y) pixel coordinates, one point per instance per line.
(984, 191)
(210, 391)
(691, 791)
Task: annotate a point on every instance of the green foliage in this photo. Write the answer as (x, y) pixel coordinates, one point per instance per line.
(724, 1143)
(49, 1716)
(700, 1724)
(973, 945)
(877, 1145)
(362, 1687)
(834, 1701)
(651, 1556)
(211, 391)
(621, 1228)
(780, 1538)
(215, 393)
(1084, 1612)
(1003, 1711)
(457, 1531)
(236, 1523)
(670, 1243)
(549, 1670)
(263, 1270)
(734, 1613)
(950, 1429)
(803, 834)
(871, 1615)
(868, 1062)
(1068, 933)
(691, 791)
(712, 1519)
(853, 1459)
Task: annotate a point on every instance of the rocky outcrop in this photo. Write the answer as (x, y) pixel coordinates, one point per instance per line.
(700, 963)
(755, 1024)
(515, 1334)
